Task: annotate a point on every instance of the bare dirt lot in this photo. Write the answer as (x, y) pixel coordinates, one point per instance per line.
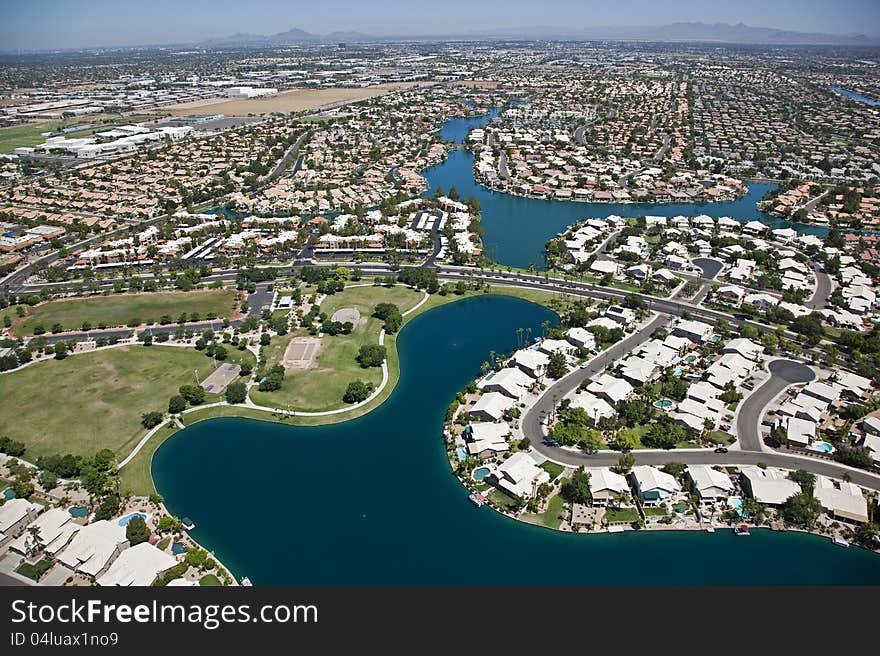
(297, 100)
(301, 353)
(351, 314)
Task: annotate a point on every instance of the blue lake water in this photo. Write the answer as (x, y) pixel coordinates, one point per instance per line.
(373, 500)
(856, 96)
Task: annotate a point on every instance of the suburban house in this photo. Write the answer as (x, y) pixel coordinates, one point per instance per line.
(15, 515)
(841, 500)
(606, 485)
(487, 438)
(652, 485)
(509, 381)
(581, 338)
(610, 388)
(709, 483)
(530, 361)
(520, 475)
(50, 531)
(137, 566)
(491, 406)
(696, 331)
(94, 547)
(768, 486)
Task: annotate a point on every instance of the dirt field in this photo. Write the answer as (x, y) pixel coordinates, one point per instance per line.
(351, 314)
(297, 100)
(301, 353)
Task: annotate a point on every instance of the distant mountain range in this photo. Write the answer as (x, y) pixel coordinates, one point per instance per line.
(674, 32)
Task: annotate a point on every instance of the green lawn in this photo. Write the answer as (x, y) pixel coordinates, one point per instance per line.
(553, 469)
(551, 517)
(720, 437)
(120, 309)
(35, 571)
(322, 387)
(651, 511)
(23, 135)
(503, 501)
(210, 580)
(625, 515)
(162, 544)
(92, 401)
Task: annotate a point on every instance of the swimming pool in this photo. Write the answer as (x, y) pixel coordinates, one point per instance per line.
(8, 493)
(737, 504)
(125, 520)
(690, 358)
(480, 473)
(461, 454)
(178, 548)
(822, 447)
(677, 371)
(663, 404)
(79, 511)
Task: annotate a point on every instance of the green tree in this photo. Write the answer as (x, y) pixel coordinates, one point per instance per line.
(802, 509)
(371, 355)
(151, 419)
(137, 531)
(557, 366)
(577, 488)
(357, 391)
(236, 392)
(805, 479)
(176, 404)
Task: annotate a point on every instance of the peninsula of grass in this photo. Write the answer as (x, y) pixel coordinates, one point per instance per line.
(322, 386)
(91, 401)
(125, 309)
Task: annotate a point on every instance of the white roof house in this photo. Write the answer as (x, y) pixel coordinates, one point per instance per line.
(823, 392)
(842, 500)
(769, 486)
(610, 388)
(745, 347)
(137, 566)
(595, 407)
(800, 432)
(520, 475)
(710, 483)
(488, 436)
(605, 484)
(52, 530)
(853, 382)
(548, 346)
(509, 381)
(94, 547)
(605, 267)
(530, 361)
(581, 337)
(15, 515)
(492, 406)
(696, 331)
(653, 485)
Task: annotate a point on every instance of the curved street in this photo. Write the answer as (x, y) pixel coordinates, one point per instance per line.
(782, 374)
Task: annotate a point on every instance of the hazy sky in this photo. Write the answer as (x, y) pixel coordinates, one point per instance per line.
(41, 24)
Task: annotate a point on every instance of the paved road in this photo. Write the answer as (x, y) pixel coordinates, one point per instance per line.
(823, 289)
(782, 374)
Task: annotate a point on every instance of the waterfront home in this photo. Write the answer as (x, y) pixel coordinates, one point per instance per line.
(614, 390)
(520, 475)
(486, 438)
(139, 565)
(709, 483)
(509, 381)
(94, 547)
(841, 500)
(653, 485)
(696, 331)
(51, 531)
(530, 361)
(606, 486)
(754, 228)
(768, 486)
(15, 515)
(491, 406)
(581, 338)
(549, 346)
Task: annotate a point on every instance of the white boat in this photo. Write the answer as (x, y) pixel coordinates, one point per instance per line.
(477, 499)
(840, 542)
(246, 581)
(741, 530)
(710, 529)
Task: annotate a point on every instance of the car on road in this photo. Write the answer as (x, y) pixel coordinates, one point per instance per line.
(584, 365)
(721, 449)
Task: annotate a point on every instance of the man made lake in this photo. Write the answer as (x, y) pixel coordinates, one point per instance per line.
(516, 228)
(856, 96)
(373, 500)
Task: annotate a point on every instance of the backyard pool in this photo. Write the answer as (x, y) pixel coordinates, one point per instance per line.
(461, 454)
(79, 511)
(677, 371)
(663, 404)
(737, 504)
(8, 493)
(822, 447)
(480, 473)
(125, 520)
(178, 548)
(689, 358)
